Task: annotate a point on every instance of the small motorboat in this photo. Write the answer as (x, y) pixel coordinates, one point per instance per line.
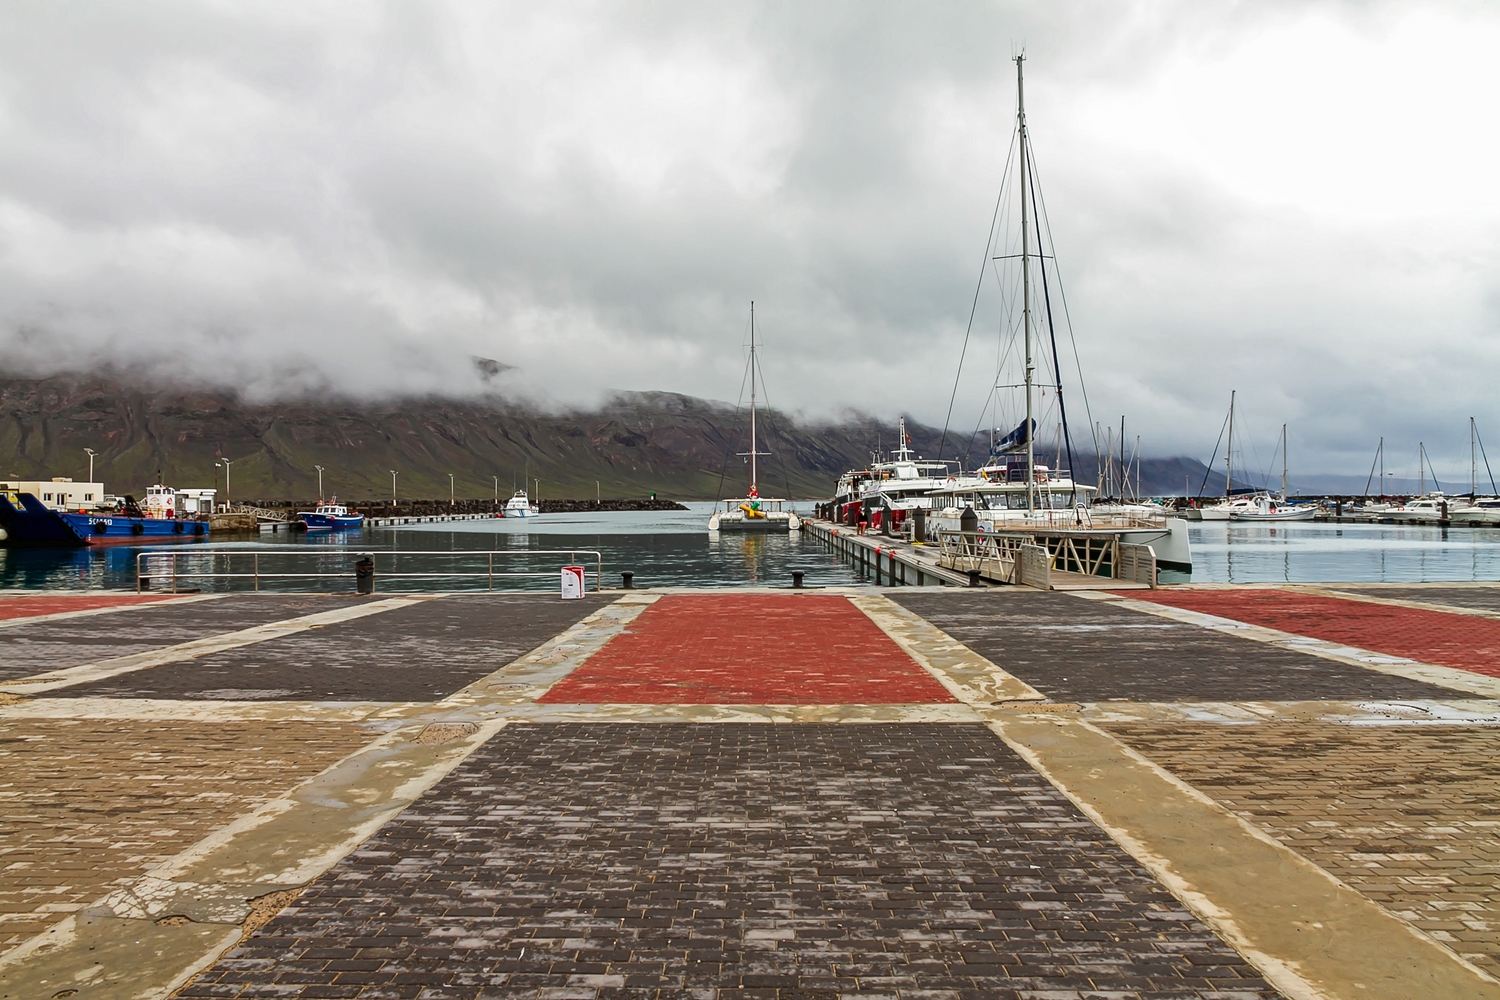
(331, 515)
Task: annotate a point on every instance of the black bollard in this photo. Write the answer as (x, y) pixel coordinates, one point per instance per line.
(628, 579)
(973, 577)
(796, 579)
(364, 575)
(919, 526)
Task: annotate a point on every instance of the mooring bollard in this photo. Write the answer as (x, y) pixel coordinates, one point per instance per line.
(796, 579)
(973, 577)
(919, 526)
(628, 579)
(364, 575)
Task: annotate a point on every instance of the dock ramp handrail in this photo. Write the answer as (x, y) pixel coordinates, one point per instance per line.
(245, 563)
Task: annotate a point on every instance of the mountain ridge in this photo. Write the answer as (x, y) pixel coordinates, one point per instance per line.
(678, 446)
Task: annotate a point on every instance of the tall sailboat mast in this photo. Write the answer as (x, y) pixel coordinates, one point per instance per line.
(1026, 280)
(1283, 463)
(1229, 449)
(753, 449)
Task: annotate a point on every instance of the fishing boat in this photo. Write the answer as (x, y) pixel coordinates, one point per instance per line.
(331, 515)
(520, 505)
(28, 520)
(753, 512)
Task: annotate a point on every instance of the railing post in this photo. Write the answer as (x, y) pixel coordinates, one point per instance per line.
(492, 570)
(255, 569)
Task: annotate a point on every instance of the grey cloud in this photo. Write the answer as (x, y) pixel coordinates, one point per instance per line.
(365, 198)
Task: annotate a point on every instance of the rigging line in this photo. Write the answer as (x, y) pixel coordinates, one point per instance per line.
(1437, 487)
(978, 424)
(1062, 296)
(1208, 470)
(775, 431)
(973, 308)
(1486, 459)
(734, 431)
(1371, 477)
(1062, 409)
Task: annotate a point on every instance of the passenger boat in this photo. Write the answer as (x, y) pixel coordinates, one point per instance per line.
(896, 487)
(520, 505)
(28, 521)
(331, 515)
(752, 512)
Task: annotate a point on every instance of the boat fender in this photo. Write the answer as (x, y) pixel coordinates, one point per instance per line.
(100, 528)
(178, 528)
(198, 528)
(137, 528)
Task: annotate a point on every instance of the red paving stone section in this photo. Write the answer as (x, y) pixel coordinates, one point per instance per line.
(750, 650)
(1460, 641)
(32, 607)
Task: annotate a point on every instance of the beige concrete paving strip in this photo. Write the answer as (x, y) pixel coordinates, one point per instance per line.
(1373, 597)
(1399, 666)
(90, 612)
(969, 677)
(1309, 934)
(1414, 712)
(100, 669)
(211, 712)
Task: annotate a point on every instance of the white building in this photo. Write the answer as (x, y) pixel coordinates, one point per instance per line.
(59, 493)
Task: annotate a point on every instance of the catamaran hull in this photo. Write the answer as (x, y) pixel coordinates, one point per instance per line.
(752, 525)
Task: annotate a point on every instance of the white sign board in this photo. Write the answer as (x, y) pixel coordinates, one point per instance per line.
(572, 582)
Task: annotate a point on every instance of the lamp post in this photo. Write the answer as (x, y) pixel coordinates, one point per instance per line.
(394, 474)
(90, 453)
(497, 490)
(227, 464)
(320, 482)
(450, 492)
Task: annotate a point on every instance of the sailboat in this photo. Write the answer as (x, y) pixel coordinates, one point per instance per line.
(1268, 508)
(753, 512)
(1016, 496)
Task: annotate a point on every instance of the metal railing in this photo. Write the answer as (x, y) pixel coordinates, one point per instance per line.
(168, 565)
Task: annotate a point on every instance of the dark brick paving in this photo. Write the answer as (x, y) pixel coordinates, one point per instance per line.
(737, 860)
(1072, 649)
(418, 653)
(68, 642)
(1478, 598)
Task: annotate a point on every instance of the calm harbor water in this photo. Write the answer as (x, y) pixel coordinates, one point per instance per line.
(673, 548)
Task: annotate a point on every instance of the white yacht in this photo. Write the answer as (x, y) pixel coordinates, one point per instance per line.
(520, 505)
(1482, 510)
(905, 482)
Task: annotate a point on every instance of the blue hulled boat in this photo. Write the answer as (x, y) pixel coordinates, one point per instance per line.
(28, 521)
(331, 515)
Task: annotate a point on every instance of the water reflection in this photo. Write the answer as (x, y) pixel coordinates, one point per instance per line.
(1366, 553)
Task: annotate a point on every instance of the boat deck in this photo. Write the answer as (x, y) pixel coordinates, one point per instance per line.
(1205, 792)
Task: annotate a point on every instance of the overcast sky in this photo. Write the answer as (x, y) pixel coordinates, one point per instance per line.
(1297, 201)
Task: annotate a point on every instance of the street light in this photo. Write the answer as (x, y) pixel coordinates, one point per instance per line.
(227, 463)
(497, 490)
(90, 453)
(450, 491)
(320, 482)
(394, 474)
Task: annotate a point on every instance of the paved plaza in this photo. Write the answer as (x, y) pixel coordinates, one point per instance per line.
(1194, 792)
